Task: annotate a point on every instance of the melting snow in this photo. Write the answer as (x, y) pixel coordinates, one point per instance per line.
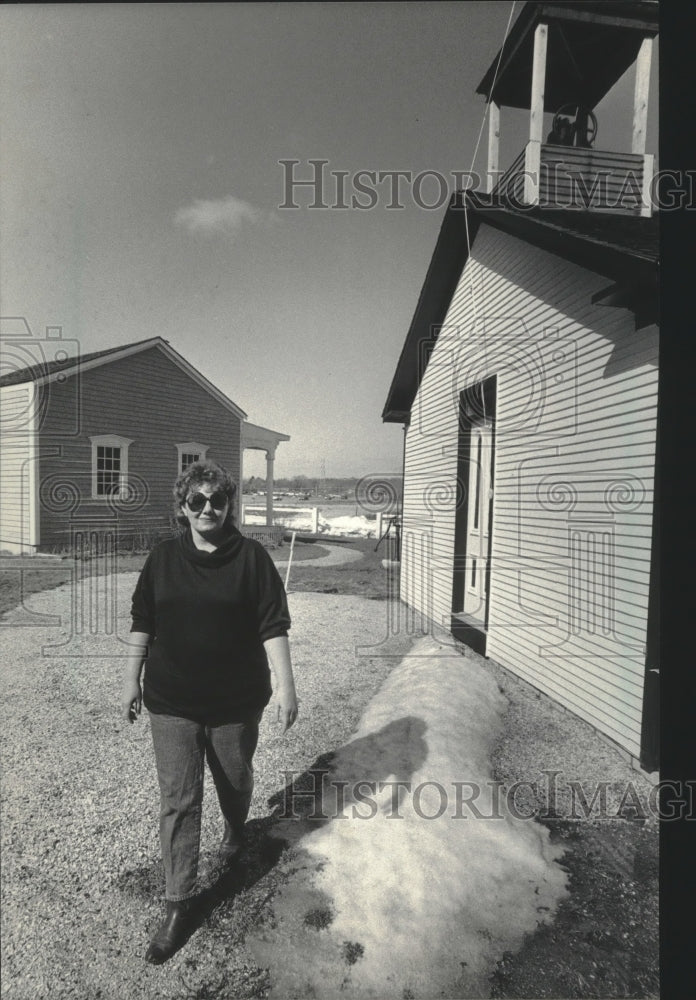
(301, 520)
(387, 907)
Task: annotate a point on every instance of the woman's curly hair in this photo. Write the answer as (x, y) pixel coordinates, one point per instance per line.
(200, 474)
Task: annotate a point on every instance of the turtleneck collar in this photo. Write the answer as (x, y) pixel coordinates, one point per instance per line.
(226, 551)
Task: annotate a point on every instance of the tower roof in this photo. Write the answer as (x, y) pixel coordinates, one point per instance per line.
(591, 45)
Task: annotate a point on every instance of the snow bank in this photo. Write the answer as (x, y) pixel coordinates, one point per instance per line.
(301, 520)
(400, 905)
(347, 526)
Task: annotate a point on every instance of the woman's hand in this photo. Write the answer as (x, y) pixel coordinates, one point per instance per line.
(287, 708)
(278, 652)
(131, 699)
(131, 691)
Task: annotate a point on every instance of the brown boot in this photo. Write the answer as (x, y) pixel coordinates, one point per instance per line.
(172, 932)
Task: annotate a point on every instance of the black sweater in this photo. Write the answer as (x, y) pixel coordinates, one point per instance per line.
(209, 614)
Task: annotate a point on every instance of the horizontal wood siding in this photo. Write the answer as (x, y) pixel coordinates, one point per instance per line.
(17, 423)
(148, 399)
(569, 174)
(574, 466)
(576, 178)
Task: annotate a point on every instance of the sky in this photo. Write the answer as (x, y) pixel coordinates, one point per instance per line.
(142, 192)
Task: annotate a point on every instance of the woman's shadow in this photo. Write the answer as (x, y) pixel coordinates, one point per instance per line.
(308, 801)
(349, 779)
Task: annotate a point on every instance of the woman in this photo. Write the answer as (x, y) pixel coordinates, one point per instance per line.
(209, 613)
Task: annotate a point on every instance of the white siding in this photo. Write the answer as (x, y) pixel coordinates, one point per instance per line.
(574, 464)
(18, 514)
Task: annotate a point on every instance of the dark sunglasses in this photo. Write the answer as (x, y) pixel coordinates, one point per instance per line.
(197, 501)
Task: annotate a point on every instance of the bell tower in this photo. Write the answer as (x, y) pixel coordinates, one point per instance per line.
(563, 58)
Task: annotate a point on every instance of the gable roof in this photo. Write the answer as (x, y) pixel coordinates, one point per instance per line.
(40, 371)
(51, 370)
(623, 248)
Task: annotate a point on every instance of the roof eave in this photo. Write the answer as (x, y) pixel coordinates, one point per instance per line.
(433, 303)
(583, 250)
(395, 416)
(635, 18)
(155, 342)
(84, 366)
(449, 256)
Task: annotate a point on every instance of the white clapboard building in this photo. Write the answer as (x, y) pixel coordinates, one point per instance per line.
(528, 387)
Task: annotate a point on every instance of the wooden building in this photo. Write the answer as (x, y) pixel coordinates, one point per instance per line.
(528, 388)
(91, 444)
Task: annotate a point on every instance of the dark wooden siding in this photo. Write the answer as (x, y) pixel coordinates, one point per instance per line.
(145, 397)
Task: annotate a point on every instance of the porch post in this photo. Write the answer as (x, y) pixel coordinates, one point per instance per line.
(640, 96)
(493, 145)
(532, 163)
(240, 490)
(270, 456)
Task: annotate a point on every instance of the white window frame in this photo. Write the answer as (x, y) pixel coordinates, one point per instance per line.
(111, 441)
(190, 448)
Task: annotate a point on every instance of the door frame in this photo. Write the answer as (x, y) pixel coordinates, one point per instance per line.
(650, 728)
(474, 401)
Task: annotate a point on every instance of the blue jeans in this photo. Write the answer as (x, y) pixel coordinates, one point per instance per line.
(181, 748)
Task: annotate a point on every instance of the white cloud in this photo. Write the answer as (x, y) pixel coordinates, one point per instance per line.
(224, 215)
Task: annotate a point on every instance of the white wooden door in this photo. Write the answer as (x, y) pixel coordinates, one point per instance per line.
(478, 517)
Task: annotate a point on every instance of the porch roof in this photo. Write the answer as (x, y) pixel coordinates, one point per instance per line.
(261, 438)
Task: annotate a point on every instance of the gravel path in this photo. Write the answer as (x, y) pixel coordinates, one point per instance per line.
(81, 877)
